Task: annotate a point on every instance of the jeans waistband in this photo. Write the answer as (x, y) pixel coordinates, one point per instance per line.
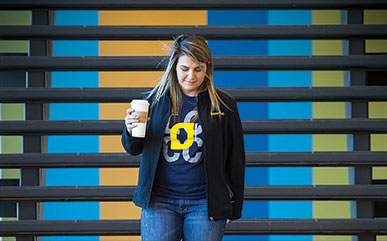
(178, 201)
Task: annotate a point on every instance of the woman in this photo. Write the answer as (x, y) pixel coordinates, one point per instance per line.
(191, 176)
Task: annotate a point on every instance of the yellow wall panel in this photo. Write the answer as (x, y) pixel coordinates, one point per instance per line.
(134, 48)
(332, 238)
(145, 48)
(379, 142)
(113, 111)
(339, 209)
(376, 46)
(330, 142)
(335, 110)
(15, 17)
(323, 110)
(377, 109)
(328, 78)
(379, 173)
(381, 238)
(14, 46)
(129, 79)
(330, 176)
(12, 111)
(128, 176)
(153, 17)
(119, 176)
(327, 47)
(326, 17)
(120, 210)
(110, 144)
(331, 209)
(375, 16)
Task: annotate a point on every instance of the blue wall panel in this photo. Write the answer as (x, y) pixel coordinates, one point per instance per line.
(254, 176)
(75, 17)
(238, 78)
(73, 144)
(290, 176)
(250, 17)
(74, 79)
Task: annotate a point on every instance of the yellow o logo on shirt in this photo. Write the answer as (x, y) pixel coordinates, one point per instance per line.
(189, 128)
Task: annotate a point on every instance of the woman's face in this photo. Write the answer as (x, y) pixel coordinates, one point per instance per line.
(190, 75)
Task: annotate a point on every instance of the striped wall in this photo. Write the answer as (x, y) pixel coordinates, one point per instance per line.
(254, 176)
(325, 142)
(128, 176)
(77, 111)
(12, 144)
(298, 175)
(268, 176)
(377, 109)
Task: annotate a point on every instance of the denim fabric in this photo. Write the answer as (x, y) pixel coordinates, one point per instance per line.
(174, 219)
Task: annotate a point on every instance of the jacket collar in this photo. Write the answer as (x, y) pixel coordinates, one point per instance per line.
(204, 95)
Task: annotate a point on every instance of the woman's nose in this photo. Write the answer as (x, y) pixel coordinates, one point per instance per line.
(190, 74)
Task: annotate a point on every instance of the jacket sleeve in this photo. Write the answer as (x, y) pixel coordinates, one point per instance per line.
(235, 166)
(132, 145)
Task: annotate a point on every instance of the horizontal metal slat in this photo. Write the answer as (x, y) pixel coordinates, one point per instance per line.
(238, 227)
(245, 94)
(210, 32)
(319, 192)
(152, 63)
(125, 193)
(253, 159)
(323, 126)
(190, 4)
(250, 126)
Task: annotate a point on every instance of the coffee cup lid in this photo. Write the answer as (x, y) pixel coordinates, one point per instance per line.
(142, 102)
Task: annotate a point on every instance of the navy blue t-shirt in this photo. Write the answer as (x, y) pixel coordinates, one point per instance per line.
(180, 171)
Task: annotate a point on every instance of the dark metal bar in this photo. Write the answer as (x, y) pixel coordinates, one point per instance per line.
(152, 63)
(238, 227)
(125, 193)
(30, 176)
(242, 94)
(329, 192)
(305, 226)
(326, 126)
(250, 126)
(8, 209)
(253, 159)
(361, 141)
(190, 4)
(210, 32)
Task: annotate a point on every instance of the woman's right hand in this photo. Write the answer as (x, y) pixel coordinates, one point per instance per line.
(131, 120)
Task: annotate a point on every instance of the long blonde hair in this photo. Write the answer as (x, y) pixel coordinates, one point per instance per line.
(197, 49)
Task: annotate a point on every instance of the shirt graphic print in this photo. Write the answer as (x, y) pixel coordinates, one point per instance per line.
(175, 145)
(180, 171)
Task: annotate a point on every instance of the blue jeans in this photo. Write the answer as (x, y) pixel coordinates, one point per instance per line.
(175, 219)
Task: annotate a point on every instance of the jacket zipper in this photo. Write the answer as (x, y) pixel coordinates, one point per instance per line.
(205, 153)
(157, 162)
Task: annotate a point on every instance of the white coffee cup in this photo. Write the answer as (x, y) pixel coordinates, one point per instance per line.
(141, 108)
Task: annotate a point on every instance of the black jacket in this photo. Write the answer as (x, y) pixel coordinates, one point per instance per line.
(224, 154)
